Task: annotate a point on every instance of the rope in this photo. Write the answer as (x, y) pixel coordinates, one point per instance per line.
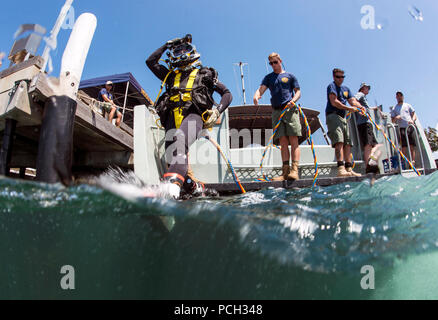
(7, 90)
(230, 166)
(389, 140)
(309, 139)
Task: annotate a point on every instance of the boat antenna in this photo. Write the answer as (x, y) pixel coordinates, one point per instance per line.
(241, 65)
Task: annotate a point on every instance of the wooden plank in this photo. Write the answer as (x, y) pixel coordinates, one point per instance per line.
(35, 61)
(41, 88)
(127, 129)
(87, 139)
(123, 159)
(87, 117)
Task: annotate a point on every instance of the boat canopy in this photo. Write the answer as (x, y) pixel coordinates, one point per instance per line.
(127, 92)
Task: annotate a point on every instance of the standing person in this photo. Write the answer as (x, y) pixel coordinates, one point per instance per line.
(285, 90)
(366, 131)
(404, 115)
(106, 97)
(338, 128)
(187, 100)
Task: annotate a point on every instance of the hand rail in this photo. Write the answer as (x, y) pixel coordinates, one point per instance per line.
(391, 126)
(418, 144)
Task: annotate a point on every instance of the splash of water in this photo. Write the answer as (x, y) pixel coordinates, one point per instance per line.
(128, 186)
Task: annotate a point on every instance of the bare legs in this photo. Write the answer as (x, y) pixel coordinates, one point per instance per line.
(371, 151)
(343, 152)
(413, 152)
(285, 154)
(119, 116)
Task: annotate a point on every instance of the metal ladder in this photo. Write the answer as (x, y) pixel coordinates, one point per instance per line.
(404, 172)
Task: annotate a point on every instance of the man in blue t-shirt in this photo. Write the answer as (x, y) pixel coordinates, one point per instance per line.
(285, 90)
(106, 97)
(337, 124)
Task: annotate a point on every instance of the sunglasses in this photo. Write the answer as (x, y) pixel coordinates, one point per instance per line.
(339, 77)
(273, 62)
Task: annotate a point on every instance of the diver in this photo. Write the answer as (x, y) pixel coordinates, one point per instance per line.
(186, 108)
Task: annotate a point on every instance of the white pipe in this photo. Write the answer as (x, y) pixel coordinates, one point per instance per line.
(52, 40)
(75, 54)
(126, 99)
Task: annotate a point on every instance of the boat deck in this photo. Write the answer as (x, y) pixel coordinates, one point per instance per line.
(232, 188)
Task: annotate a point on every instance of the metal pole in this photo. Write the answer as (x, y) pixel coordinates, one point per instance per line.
(323, 132)
(51, 41)
(126, 98)
(420, 150)
(391, 126)
(359, 144)
(243, 82)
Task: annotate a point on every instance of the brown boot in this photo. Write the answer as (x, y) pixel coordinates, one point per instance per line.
(353, 174)
(293, 175)
(343, 173)
(283, 177)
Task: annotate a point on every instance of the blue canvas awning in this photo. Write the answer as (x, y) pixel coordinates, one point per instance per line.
(127, 92)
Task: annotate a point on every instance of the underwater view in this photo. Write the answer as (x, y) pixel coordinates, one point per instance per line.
(274, 244)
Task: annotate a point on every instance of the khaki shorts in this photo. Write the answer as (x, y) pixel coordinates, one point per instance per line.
(338, 130)
(290, 125)
(107, 107)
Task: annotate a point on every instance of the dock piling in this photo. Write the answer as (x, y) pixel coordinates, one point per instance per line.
(7, 144)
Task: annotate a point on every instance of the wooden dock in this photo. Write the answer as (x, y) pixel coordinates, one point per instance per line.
(98, 144)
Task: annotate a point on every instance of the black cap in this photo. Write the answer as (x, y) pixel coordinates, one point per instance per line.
(400, 93)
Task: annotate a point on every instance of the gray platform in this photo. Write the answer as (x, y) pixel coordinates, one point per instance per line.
(232, 188)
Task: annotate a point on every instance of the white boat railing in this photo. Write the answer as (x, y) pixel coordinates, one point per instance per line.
(418, 146)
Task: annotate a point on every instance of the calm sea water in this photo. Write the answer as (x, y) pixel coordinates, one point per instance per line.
(274, 244)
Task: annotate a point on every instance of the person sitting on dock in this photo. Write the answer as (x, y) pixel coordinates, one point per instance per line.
(186, 108)
(404, 115)
(285, 90)
(108, 104)
(368, 140)
(338, 128)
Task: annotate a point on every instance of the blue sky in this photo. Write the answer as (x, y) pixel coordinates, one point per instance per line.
(312, 36)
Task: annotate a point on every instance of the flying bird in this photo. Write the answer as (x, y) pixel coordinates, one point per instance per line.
(416, 13)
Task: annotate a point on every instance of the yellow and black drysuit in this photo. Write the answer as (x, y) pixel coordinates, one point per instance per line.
(189, 93)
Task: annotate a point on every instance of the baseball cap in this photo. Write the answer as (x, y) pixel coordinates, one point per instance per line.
(109, 83)
(400, 93)
(363, 84)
